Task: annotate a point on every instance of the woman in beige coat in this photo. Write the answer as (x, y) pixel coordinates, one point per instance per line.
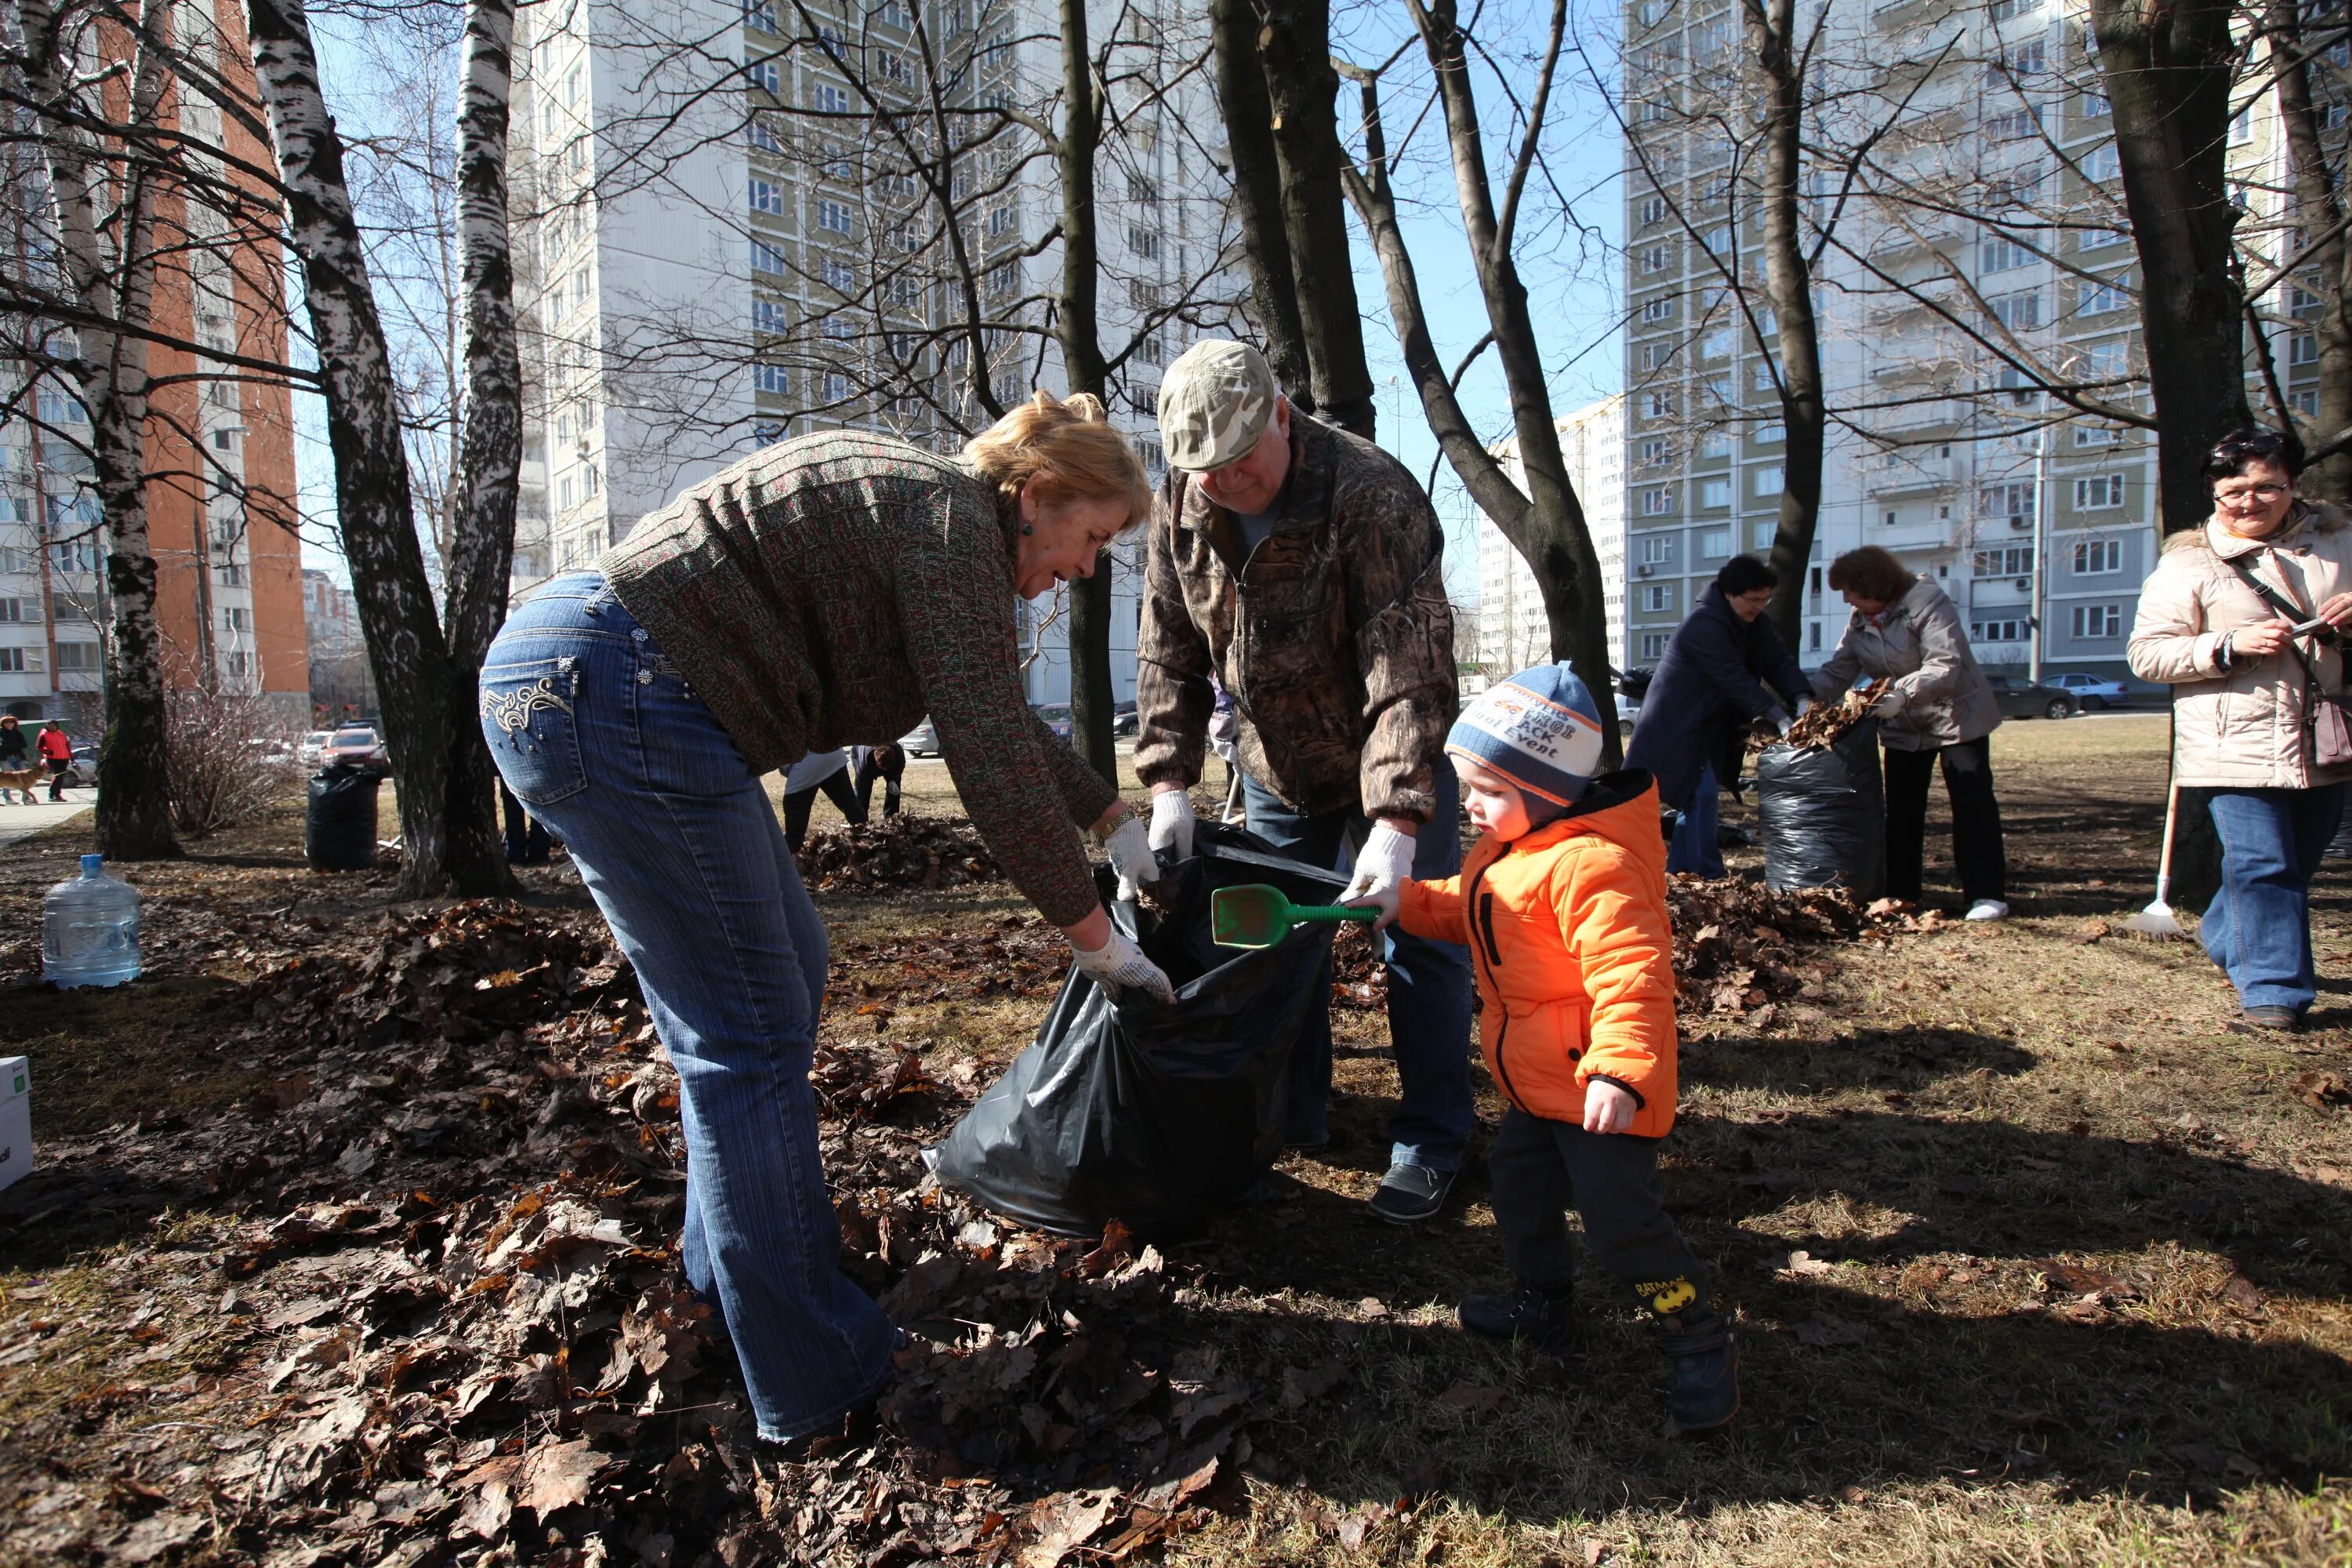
(2245, 695)
(1939, 709)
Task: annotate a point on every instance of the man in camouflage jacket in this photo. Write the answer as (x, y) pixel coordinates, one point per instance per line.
(1304, 568)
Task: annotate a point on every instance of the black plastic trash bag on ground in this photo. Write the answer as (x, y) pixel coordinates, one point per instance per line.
(1824, 814)
(1159, 1117)
(338, 827)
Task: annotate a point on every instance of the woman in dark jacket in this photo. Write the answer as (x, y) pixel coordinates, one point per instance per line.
(1708, 689)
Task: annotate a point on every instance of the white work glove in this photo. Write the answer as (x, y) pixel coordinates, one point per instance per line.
(1888, 706)
(1381, 866)
(1118, 965)
(1129, 848)
(1171, 824)
(1805, 706)
(1778, 719)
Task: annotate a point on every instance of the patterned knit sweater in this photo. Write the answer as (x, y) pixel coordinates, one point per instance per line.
(833, 589)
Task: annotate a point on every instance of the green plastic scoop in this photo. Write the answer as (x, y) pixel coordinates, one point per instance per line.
(1257, 915)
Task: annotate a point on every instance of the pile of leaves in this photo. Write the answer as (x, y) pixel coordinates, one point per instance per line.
(901, 851)
(1825, 723)
(1739, 947)
(446, 1312)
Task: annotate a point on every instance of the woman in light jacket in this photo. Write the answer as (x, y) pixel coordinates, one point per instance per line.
(1939, 709)
(2243, 704)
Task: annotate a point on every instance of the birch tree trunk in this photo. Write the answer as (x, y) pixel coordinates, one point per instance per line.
(374, 515)
(480, 554)
(2318, 199)
(2168, 71)
(134, 775)
(1787, 282)
(1303, 88)
(1257, 196)
(1544, 522)
(1077, 325)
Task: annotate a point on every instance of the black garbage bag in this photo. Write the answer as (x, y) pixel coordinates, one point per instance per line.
(1160, 1117)
(339, 825)
(1824, 813)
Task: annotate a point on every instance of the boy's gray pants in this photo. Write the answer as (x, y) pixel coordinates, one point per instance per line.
(1543, 1168)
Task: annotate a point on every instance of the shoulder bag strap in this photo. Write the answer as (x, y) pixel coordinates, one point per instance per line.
(2296, 615)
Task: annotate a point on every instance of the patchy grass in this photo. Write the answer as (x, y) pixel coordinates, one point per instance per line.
(2035, 1262)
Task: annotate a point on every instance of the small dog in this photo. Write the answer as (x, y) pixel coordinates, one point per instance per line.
(22, 780)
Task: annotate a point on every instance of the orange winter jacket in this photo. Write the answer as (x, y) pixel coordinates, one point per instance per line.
(1569, 934)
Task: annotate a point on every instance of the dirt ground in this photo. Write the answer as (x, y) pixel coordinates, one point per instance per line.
(2035, 1262)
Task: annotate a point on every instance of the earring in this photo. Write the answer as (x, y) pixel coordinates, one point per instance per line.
(1026, 530)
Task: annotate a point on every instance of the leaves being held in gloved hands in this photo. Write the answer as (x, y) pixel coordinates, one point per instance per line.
(1825, 723)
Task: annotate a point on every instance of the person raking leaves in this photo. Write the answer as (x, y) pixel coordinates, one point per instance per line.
(1562, 904)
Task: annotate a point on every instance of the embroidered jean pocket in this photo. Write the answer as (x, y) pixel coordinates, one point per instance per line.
(530, 721)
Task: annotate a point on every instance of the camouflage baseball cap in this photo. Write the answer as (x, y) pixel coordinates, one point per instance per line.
(1214, 402)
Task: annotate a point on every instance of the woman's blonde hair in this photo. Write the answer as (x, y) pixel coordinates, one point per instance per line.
(1067, 449)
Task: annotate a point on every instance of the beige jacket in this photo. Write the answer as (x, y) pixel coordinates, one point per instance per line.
(2241, 726)
(1920, 646)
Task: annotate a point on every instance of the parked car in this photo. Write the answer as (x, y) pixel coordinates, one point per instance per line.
(2093, 691)
(1633, 685)
(356, 745)
(2023, 699)
(82, 772)
(314, 746)
(922, 741)
(1125, 720)
(1057, 716)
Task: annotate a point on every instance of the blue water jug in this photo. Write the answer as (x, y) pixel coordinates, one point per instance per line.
(89, 929)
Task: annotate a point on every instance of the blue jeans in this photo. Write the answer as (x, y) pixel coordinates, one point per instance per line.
(2258, 927)
(598, 736)
(1429, 987)
(1696, 846)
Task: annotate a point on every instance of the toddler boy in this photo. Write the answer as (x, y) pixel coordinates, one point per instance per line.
(1562, 903)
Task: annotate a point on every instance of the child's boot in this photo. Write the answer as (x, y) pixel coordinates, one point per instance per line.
(1544, 1319)
(1706, 1357)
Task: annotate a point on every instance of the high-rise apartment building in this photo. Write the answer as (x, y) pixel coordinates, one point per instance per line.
(219, 451)
(1513, 631)
(1979, 256)
(727, 241)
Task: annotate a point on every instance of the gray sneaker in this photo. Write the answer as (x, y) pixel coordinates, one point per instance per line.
(1411, 1193)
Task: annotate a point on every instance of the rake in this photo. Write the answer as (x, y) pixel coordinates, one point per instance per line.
(2155, 923)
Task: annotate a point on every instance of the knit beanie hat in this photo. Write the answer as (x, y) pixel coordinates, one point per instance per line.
(1541, 731)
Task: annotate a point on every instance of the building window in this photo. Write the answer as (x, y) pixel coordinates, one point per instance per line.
(763, 73)
(2098, 494)
(1657, 451)
(236, 618)
(1653, 645)
(12, 660)
(1658, 549)
(1657, 258)
(833, 217)
(1997, 631)
(836, 387)
(1714, 492)
(2099, 299)
(832, 99)
(1657, 503)
(1715, 345)
(1659, 309)
(761, 133)
(1715, 543)
(772, 378)
(766, 257)
(1660, 405)
(2098, 621)
(2097, 435)
(2017, 312)
(767, 316)
(2303, 349)
(839, 274)
(1657, 597)
(1813, 637)
(1143, 242)
(767, 196)
(2004, 561)
(2093, 556)
(1760, 535)
(1771, 433)
(760, 13)
(1770, 479)
(82, 658)
(1653, 210)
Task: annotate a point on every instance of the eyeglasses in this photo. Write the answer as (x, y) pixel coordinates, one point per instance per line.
(2262, 495)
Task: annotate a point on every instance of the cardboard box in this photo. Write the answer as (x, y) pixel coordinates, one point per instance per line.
(15, 1119)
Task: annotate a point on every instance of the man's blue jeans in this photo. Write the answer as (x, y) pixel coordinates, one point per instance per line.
(1696, 846)
(596, 733)
(2258, 927)
(1429, 987)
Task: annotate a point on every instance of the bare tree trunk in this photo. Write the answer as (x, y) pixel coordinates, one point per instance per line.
(135, 775)
(1076, 327)
(1302, 89)
(1787, 282)
(2319, 201)
(2167, 72)
(1545, 521)
(374, 515)
(480, 552)
(1257, 196)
